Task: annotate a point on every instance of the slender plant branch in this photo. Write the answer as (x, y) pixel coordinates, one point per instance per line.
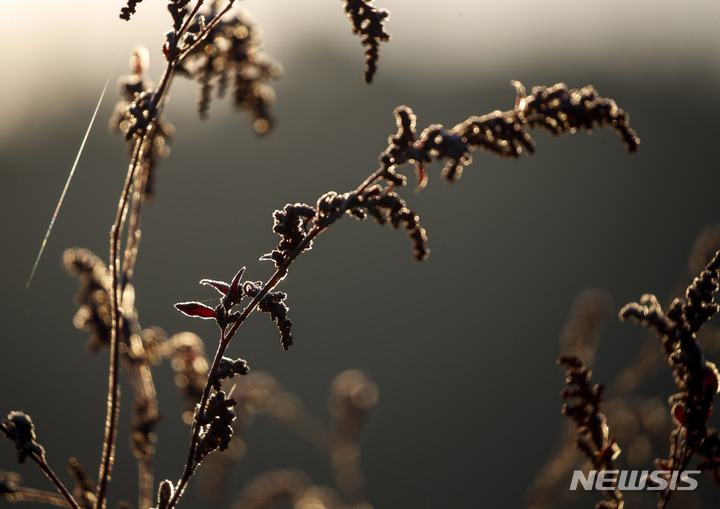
(207, 30)
(499, 132)
(113, 406)
(39, 459)
(118, 288)
(271, 283)
(133, 235)
(191, 16)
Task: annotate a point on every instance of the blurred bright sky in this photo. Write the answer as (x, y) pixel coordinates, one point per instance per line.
(61, 42)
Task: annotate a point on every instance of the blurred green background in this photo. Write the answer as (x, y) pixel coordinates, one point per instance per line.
(462, 346)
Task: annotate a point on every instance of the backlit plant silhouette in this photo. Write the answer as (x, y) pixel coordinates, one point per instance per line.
(221, 50)
(604, 425)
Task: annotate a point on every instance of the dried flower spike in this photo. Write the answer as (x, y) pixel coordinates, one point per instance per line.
(231, 56)
(274, 304)
(178, 10)
(291, 224)
(556, 109)
(132, 115)
(216, 422)
(696, 379)
(560, 110)
(228, 368)
(583, 402)
(369, 23)
(385, 205)
(129, 9)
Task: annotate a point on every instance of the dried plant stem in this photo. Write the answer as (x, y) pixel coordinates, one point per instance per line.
(679, 452)
(113, 406)
(117, 290)
(133, 235)
(191, 16)
(190, 464)
(145, 468)
(499, 132)
(208, 28)
(39, 459)
(141, 147)
(226, 336)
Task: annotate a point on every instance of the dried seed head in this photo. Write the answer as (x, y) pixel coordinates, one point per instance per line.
(18, 427)
(135, 116)
(129, 9)
(274, 304)
(369, 23)
(560, 110)
(291, 224)
(231, 56)
(228, 368)
(166, 490)
(216, 423)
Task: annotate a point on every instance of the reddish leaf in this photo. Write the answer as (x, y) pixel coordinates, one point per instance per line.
(236, 280)
(196, 309)
(220, 286)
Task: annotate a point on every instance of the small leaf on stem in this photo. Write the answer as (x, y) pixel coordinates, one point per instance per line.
(196, 309)
(236, 280)
(220, 286)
